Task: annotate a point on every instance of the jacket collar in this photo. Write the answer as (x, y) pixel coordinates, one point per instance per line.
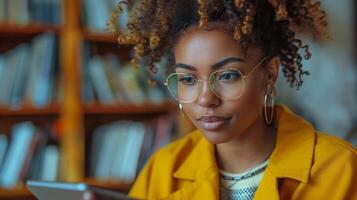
(295, 140)
(293, 153)
(201, 162)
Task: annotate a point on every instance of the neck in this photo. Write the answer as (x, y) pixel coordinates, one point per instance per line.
(248, 150)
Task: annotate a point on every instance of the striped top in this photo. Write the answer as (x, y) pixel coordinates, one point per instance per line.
(241, 186)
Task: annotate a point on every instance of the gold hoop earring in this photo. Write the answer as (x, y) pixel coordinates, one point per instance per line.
(181, 110)
(269, 95)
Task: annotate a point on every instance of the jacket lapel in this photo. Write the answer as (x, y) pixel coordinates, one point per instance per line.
(201, 168)
(268, 188)
(291, 160)
(295, 143)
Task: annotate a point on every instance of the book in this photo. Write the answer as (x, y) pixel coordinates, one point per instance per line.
(111, 67)
(2, 76)
(36, 163)
(113, 138)
(97, 144)
(39, 89)
(44, 82)
(3, 147)
(8, 76)
(3, 13)
(88, 94)
(120, 128)
(36, 6)
(50, 163)
(23, 12)
(29, 154)
(57, 8)
(121, 148)
(128, 78)
(149, 139)
(34, 67)
(21, 139)
(18, 12)
(20, 77)
(96, 14)
(100, 81)
(133, 147)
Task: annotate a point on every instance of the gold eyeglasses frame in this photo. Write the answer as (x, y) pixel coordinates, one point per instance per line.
(209, 79)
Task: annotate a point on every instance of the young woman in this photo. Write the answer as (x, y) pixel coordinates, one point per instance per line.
(226, 55)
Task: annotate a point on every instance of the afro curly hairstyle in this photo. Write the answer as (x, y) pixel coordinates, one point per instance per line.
(155, 26)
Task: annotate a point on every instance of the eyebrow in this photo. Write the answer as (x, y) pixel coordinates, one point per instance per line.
(214, 66)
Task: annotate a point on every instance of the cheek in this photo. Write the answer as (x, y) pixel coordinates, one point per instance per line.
(189, 110)
(253, 97)
(249, 105)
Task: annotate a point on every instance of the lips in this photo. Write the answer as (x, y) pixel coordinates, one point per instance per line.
(211, 123)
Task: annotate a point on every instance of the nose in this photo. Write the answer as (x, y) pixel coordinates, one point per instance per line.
(206, 98)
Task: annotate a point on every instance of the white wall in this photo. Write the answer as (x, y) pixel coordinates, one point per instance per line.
(328, 97)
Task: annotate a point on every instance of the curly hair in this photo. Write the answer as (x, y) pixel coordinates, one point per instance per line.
(155, 26)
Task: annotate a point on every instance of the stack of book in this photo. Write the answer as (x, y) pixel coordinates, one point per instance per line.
(28, 73)
(23, 12)
(108, 81)
(120, 149)
(27, 154)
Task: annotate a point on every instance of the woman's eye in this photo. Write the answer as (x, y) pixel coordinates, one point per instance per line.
(229, 76)
(187, 80)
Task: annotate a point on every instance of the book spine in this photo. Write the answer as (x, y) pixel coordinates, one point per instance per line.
(22, 135)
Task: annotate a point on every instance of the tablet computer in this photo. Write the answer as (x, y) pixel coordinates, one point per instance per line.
(44, 190)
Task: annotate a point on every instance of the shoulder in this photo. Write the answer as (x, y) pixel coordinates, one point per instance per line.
(330, 145)
(333, 154)
(334, 168)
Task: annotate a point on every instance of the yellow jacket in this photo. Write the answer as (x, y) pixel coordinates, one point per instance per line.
(305, 164)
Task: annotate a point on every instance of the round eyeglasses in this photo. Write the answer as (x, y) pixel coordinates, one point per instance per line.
(227, 84)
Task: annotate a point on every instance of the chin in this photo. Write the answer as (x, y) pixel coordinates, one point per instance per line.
(216, 137)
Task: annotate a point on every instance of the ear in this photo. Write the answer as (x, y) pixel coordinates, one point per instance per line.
(272, 70)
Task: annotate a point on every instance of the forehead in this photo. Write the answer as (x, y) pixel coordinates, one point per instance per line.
(201, 47)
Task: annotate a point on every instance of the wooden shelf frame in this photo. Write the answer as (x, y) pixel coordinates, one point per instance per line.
(28, 29)
(99, 37)
(52, 110)
(16, 193)
(120, 109)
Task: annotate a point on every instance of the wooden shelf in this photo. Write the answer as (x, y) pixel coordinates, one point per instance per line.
(28, 29)
(52, 110)
(13, 35)
(104, 43)
(99, 37)
(17, 193)
(148, 108)
(113, 185)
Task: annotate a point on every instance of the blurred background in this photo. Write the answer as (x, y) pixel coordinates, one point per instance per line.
(72, 108)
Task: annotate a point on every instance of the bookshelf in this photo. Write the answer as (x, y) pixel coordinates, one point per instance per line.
(13, 35)
(75, 120)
